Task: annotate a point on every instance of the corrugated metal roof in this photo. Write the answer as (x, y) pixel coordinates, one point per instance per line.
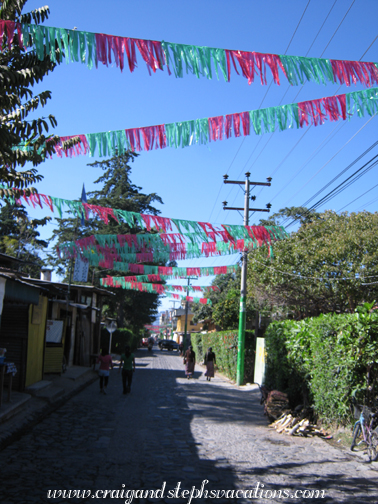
(17, 290)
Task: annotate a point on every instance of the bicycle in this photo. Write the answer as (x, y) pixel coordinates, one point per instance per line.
(364, 427)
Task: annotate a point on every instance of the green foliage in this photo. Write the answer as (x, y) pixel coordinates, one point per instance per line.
(225, 346)
(22, 139)
(302, 214)
(321, 268)
(19, 237)
(121, 338)
(331, 356)
(225, 307)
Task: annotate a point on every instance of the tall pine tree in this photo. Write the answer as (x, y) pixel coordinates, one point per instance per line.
(132, 309)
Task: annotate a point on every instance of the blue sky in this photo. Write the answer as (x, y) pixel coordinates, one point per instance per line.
(190, 180)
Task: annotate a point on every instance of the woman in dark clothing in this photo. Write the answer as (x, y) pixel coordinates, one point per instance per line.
(190, 362)
(210, 360)
(128, 368)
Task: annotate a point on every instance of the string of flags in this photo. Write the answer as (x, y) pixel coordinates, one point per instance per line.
(93, 48)
(119, 282)
(192, 231)
(122, 282)
(212, 129)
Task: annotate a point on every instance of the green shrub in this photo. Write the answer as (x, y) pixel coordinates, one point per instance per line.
(121, 337)
(225, 346)
(329, 357)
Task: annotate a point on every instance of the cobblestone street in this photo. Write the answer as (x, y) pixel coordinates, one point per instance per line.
(174, 430)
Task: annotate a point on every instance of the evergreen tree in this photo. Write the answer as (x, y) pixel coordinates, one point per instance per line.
(132, 309)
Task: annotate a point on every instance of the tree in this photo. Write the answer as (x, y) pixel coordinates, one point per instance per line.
(329, 265)
(23, 140)
(301, 214)
(224, 310)
(19, 237)
(132, 309)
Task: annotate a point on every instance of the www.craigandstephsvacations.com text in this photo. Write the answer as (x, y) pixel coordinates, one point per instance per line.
(257, 492)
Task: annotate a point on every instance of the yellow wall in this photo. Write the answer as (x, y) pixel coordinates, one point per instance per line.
(36, 341)
(190, 328)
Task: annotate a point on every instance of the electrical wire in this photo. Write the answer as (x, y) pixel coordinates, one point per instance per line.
(341, 173)
(367, 204)
(337, 29)
(314, 153)
(296, 96)
(341, 187)
(341, 209)
(332, 157)
(298, 275)
(292, 37)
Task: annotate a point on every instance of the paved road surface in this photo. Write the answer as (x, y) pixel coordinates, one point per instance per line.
(172, 430)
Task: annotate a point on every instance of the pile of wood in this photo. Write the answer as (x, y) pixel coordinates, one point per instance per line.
(297, 426)
(276, 404)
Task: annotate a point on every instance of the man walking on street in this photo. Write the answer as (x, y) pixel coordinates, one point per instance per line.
(128, 368)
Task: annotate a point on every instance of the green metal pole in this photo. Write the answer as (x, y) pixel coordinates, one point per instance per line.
(243, 296)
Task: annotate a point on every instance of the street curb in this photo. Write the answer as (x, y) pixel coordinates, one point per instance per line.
(41, 414)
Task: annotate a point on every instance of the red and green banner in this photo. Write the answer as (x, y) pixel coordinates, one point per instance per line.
(126, 283)
(119, 282)
(148, 273)
(213, 129)
(151, 287)
(192, 232)
(190, 299)
(93, 48)
(106, 250)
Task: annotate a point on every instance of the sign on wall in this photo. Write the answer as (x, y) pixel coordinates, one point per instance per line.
(81, 270)
(54, 331)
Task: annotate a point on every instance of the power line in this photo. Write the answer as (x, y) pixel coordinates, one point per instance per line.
(367, 204)
(292, 37)
(329, 160)
(369, 47)
(296, 29)
(342, 172)
(327, 279)
(320, 29)
(376, 185)
(341, 187)
(337, 29)
(333, 35)
(310, 158)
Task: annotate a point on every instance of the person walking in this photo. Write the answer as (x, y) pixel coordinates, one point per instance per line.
(190, 362)
(128, 368)
(105, 361)
(210, 360)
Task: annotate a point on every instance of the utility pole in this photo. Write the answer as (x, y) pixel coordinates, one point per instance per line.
(186, 311)
(243, 286)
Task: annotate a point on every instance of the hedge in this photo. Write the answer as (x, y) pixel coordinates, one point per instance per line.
(225, 346)
(121, 337)
(325, 360)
